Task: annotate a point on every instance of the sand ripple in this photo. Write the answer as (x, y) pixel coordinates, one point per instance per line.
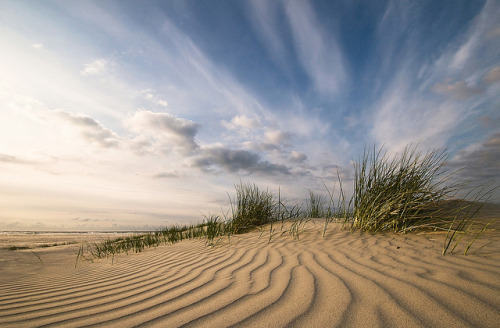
(342, 280)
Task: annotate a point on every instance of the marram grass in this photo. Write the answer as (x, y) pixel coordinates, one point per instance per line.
(399, 194)
(252, 207)
(409, 191)
(413, 191)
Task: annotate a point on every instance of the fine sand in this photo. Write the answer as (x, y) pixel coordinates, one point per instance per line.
(342, 280)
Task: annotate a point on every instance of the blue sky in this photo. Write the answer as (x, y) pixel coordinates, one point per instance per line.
(137, 114)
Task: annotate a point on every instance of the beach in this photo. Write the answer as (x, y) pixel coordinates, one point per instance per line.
(344, 279)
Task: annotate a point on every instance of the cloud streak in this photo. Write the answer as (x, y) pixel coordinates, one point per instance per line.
(90, 130)
(4, 158)
(427, 98)
(319, 53)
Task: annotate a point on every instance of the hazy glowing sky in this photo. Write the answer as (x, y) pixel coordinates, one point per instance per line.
(137, 114)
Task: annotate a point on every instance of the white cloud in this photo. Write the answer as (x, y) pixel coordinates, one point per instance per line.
(150, 96)
(96, 67)
(277, 137)
(168, 131)
(37, 45)
(298, 157)
(241, 122)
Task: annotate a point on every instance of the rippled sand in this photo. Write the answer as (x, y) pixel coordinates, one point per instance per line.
(341, 280)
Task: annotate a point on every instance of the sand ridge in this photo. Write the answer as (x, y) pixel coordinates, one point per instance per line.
(342, 280)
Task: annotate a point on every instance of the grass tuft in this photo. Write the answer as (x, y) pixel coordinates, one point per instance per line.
(401, 193)
(252, 207)
(315, 206)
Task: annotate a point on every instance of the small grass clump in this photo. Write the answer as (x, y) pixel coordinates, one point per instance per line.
(15, 248)
(315, 206)
(252, 207)
(215, 228)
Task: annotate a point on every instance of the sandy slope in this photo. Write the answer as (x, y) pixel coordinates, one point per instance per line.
(342, 280)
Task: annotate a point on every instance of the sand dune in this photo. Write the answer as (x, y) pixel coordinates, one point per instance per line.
(342, 280)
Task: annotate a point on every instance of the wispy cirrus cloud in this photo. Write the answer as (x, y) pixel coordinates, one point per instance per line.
(479, 47)
(153, 98)
(273, 142)
(428, 97)
(320, 53)
(264, 16)
(402, 116)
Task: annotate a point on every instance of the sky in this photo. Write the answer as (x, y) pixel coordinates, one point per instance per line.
(131, 115)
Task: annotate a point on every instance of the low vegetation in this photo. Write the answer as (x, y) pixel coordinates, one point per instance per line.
(399, 194)
(15, 248)
(413, 191)
(211, 228)
(252, 207)
(409, 191)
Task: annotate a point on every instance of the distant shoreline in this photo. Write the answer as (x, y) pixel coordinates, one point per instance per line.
(16, 240)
